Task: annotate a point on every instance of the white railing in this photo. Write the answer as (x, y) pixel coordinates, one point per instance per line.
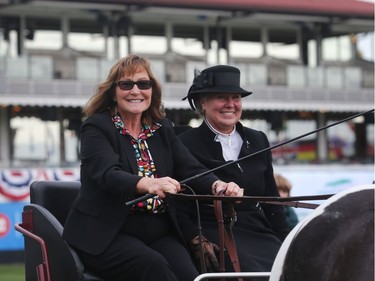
(28, 81)
(96, 69)
(77, 92)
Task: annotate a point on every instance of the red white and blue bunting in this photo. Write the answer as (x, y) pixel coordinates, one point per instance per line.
(14, 183)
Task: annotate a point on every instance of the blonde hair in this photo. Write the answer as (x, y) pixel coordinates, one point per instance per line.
(283, 183)
(103, 99)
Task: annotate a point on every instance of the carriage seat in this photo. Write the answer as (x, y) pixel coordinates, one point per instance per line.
(47, 256)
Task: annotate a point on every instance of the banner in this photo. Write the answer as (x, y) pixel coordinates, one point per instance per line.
(306, 180)
(15, 193)
(14, 183)
(10, 214)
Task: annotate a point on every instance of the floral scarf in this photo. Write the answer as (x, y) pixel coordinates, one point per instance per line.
(145, 162)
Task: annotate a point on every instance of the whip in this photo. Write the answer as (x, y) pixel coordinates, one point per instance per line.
(148, 195)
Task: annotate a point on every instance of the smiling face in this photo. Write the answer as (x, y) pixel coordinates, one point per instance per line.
(132, 103)
(222, 110)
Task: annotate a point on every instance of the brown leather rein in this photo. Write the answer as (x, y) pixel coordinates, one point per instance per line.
(226, 239)
(293, 201)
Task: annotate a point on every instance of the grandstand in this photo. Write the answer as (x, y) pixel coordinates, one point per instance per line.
(52, 84)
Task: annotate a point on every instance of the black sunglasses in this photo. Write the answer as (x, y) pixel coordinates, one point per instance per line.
(128, 85)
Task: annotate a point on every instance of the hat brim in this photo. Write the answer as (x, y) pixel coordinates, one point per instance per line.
(222, 89)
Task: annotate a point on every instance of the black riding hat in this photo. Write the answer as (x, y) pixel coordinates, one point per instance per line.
(216, 79)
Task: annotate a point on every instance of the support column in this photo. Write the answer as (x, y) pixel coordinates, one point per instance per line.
(116, 46)
(5, 138)
(228, 40)
(299, 37)
(65, 31)
(60, 118)
(319, 39)
(169, 36)
(206, 41)
(304, 49)
(219, 40)
(353, 45)
(322, 139)
(169, 59)
(115, 33)
(21, 36)
(264, 39)
(130, 35)
(106, 43)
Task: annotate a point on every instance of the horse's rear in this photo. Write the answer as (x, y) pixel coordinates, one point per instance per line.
(336, 242)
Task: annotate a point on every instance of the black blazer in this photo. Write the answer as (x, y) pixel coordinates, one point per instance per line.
(109, 175)
(255, 174)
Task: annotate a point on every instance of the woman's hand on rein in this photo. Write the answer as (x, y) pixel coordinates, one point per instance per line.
(158, 186)
(227, 189)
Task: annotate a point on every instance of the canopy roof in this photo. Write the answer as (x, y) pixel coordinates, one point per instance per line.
(348, 8)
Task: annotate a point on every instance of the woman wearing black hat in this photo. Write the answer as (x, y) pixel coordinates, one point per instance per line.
(216, 95)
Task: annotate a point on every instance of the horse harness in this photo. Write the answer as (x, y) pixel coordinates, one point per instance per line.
(226, 217)
(226, 240)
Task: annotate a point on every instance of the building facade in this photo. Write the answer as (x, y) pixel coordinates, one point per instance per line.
(294, 93)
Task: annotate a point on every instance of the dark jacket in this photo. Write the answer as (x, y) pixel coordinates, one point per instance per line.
(109, 175)
(254, 174)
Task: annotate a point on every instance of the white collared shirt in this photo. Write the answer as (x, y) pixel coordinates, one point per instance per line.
(230, 143)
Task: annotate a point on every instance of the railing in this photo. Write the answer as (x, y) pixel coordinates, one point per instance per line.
(29, 81)
(253, 73)
(77, 92)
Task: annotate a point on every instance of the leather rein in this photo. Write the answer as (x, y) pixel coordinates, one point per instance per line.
(293, 201)
(226, 239)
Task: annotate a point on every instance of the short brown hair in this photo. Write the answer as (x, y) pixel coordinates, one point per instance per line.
(283, 183)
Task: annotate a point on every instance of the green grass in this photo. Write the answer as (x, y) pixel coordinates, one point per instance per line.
(12, 272)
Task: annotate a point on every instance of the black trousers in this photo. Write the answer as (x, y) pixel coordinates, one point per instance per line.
(146, 249)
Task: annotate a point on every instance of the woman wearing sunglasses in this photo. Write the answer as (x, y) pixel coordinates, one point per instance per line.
(128, 149)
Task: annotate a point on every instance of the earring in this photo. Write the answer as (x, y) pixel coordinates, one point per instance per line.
(114, 100)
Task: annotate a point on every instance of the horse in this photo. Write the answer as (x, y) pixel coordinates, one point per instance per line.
(334, 243)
